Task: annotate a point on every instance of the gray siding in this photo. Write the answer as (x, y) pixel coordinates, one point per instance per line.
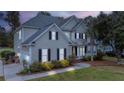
(44, 43)
(25, 33)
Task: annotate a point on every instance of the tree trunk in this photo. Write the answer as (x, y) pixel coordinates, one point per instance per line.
(92, 56)
(118, 55)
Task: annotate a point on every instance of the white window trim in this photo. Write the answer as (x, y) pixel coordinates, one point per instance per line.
(77, 35)
(20, 34)
(53, 35)
(84, 36)
(61, 54)
(44, 55)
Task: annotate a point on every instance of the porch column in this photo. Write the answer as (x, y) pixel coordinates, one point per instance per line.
(73, 50)
(83, 50)
(30, 54)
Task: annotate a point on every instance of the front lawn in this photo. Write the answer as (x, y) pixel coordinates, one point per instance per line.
(108, 58)
(88, 74)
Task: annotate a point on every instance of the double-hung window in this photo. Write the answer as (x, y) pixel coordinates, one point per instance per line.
(84, 36)
(53, 35)
(77, 35)
(44, 55)
(61, 53)
(20, 34)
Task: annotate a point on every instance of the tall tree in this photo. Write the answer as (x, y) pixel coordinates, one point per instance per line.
(12, 17)
(44, 13)
(3, 37)
(111, 31)
(90, 22)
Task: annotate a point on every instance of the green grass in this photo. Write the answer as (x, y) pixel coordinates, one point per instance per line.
(100, 73)
(1, 78)
(108, 58)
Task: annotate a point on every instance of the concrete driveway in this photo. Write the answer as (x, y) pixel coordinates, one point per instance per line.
(11, 70)
(1, 68)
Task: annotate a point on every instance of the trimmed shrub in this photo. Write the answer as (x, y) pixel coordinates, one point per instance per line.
(71, 59)
(99, 55)
(56, 63)
(8, 55)
(24, 71)
(110, 53)
(64, 63)
(86, 58)
(47, 66)
(35, 67)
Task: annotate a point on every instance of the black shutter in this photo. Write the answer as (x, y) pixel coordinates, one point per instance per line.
(56, 35)
(85, 49)
(40, 55)
(76, 50)
(75, 35)
(86, 36)
(50, 35)
(79, 35)
(57, 53)
(49, 54)
(64, 53)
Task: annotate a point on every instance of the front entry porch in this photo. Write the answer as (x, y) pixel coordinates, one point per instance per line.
(79, 51)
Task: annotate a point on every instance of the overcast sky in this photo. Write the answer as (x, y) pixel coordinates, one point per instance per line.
(26, 15)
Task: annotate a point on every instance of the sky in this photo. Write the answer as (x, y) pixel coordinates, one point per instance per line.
(26, 15)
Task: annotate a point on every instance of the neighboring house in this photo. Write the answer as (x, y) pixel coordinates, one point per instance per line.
(45, 38)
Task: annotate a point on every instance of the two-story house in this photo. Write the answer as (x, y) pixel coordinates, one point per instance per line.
(45, 38)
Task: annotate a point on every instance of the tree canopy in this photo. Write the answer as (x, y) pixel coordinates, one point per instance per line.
(110, 30)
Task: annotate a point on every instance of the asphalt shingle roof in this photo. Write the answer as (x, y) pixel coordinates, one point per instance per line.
(43, 22)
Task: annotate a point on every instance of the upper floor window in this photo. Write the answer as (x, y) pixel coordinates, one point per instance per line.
(20, 34)
(80, 36)
(53, 35)
(84, 36)
(77, 35)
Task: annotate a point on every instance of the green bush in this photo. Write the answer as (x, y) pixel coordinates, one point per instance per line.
(35, 67)
(24, 71)
(56, 63)
(71, 59)
(7, 54)
(47, 66)
(86, 58)
(99, 56)
(64, 63)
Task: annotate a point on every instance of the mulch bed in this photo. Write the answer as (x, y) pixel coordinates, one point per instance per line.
(99, 63)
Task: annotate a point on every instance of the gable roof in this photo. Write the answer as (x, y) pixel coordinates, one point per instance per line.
(41, 21)
(41, 32)
(78, 24)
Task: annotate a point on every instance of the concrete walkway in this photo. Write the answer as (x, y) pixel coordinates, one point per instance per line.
(45, 74)
(11, 70)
